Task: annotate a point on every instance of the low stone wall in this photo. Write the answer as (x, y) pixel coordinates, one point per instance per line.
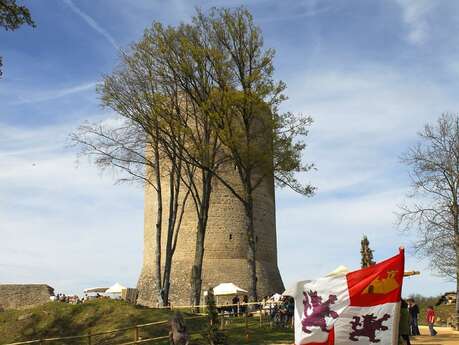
(22, 296)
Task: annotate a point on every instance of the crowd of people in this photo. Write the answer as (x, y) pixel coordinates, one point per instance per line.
(74, 299)
(61, 297)
(279, 312)
(409, 317)
(282, 312)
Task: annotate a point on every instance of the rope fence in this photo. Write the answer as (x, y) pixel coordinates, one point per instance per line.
(227, 320)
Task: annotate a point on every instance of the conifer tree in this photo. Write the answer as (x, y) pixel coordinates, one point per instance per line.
(366, 253)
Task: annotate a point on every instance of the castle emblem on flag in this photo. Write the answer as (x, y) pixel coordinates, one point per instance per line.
(368, 329)
(315, 311)
(383, 286)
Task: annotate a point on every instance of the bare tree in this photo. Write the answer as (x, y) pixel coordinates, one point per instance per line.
(434, 210)
(261, 142)
(204, 95)
(127, 147)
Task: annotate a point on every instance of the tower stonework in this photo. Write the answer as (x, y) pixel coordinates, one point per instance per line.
(225, 246)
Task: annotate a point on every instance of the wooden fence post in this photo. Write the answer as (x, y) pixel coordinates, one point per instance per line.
(246, 323)
(222, 321)
(89, 338)
(136, 333)
(261, 321)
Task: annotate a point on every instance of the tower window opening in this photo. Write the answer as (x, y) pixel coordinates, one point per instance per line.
(231, 236)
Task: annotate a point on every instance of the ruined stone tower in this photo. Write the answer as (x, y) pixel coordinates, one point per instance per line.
(225, 256)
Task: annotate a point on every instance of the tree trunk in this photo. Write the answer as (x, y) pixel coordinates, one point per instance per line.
(159, 218)
(196, 270)
(457, 281)
(455, 212)
(251, 248)
(174, 193)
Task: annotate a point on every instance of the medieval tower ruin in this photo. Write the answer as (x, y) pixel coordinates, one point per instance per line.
(225, 256)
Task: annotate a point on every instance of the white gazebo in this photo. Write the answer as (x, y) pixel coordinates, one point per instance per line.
(115, 290)
(95, 290)
(228, 289)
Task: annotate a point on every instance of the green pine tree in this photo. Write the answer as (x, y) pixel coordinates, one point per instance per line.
(366, 253)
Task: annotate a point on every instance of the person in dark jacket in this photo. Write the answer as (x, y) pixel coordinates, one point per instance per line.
(414, 313)
(404, 325)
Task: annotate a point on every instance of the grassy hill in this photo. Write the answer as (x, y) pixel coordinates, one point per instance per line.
(59, 320)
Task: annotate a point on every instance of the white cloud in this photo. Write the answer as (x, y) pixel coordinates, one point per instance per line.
(92, 23)
(415, 14)
(64, 224)
(364, 119)
(17, 97)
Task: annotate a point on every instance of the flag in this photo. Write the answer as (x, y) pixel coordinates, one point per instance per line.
(355, 308)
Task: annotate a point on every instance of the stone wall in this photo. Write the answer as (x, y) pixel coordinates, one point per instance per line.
(21, 296)
(225, 255)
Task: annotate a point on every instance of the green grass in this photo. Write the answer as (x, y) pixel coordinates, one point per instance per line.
(59, 320)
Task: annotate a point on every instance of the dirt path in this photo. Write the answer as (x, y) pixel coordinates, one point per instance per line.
(445, 336)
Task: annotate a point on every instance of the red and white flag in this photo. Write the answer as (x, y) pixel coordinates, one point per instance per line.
(355, 308)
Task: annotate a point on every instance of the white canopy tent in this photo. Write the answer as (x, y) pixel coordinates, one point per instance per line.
(117, 288)
(228, 289)
(298, 286)
(95, 290)
(276, 297)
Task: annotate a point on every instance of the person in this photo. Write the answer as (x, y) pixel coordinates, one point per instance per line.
(430, 316)
(413, 309)
(245, 300)
(404, 323)
(235, 302)
(291, 311)
(178, 335)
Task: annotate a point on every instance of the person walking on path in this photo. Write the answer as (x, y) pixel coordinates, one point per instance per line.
(404, 325)
(413, 309)
(430, 316)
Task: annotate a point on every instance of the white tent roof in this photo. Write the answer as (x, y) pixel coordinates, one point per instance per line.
(340, 270)
(276, 297)
(116, 288)
(227, 289)
(95, 289)
(298, 286)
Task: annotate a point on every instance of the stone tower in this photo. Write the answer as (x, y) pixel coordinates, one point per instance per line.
(225, 247)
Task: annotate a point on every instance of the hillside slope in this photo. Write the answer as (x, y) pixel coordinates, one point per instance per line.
(56, 319)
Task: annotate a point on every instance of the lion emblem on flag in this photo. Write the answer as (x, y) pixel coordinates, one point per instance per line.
(368, 328)
(315, 311)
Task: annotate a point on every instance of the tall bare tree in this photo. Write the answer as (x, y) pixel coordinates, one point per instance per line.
(134, 146)
(261, 142)
(434, 210)
(204, 92)
(220, 67)
(180, 62)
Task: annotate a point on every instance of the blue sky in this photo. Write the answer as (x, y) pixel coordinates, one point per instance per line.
(370, 73)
